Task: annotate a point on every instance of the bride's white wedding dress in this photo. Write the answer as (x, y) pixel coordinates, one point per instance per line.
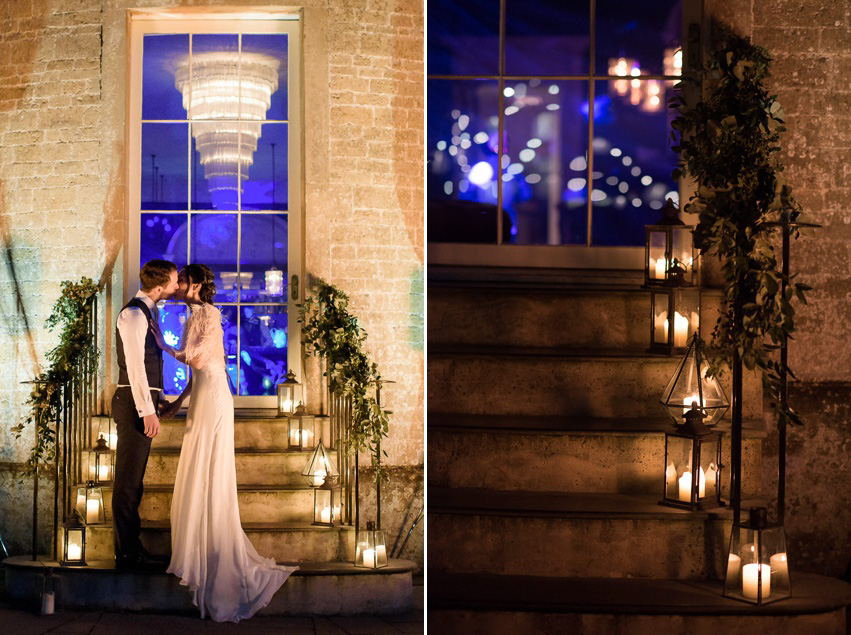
(210, 552)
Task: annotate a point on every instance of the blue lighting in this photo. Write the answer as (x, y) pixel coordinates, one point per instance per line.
(246, 357)
(279, 338)
(601, 108)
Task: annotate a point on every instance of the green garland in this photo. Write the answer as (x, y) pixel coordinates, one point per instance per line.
(332, 333)
(72, 313)
(729, 143)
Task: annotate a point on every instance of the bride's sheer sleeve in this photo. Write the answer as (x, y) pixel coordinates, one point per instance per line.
(202, 338)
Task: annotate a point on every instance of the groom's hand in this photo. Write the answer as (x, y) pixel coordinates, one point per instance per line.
(152, 425)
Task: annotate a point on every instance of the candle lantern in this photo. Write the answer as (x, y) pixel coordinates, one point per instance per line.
(90, 504)
(370, 551)
(692, 465)
(101, 462)
(690, 385)
(73, 543)
(757, 568)
(674, 318)
(300, 430)
(327, 505)
(319, 468)
(106, 429)
(289, 395)
(669, 253)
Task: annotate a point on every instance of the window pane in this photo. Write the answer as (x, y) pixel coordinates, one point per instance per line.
(160, 57)
(462, 161)
(274, 49)
(175, 375)
(213, 243)
(463, 37)
(545, 171)
(632, 160)
(214, 166)
(229, 326)
(263, 336)
(264, 258)
(265, 186)
(163, 236)
(547, 37)
(163, 165)
(640, 33)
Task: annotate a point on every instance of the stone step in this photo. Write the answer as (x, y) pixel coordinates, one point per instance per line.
(316, 588)
(509, 604)
(285, 542)
(617, 456)
(262, 467)
(258, 434)
(558, 381)
(547, 317)
(586, 535)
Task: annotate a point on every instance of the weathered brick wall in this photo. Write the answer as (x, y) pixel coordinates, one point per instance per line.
(62, 190)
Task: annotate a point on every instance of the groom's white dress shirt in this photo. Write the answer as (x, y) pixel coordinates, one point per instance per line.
(133, 327)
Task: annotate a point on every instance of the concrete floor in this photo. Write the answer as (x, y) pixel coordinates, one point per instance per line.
(22, 622)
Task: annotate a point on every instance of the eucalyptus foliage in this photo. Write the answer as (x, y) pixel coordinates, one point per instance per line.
(332, 333)
(729, 144)
(71, 314)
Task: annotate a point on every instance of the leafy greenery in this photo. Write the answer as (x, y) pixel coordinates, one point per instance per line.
(332, 333)
(71, 313)
(729, 143)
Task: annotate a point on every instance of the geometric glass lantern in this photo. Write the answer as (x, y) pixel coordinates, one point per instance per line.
(690, 385)
(757, 568)
(326, 505)
(371, 551)
(101, 462)
(90, 504)
(300, 430)
(670, 256)
(692, 465)
(289, 395)
(319, 468)
(670, 336)
(73, 543)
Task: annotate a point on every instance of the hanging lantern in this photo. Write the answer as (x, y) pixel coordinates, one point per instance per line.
(757, 567)
(674, 318)
(327, 505)
(274, 281)
(289, 395)
(319, 468)
(90, 504)
(73, 543)
(669, 253)
(692, 465)
(690, 386)
(101, 462)
(300, 431)
(371, 551)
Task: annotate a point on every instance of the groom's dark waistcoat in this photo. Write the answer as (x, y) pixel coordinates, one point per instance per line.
(153, 353)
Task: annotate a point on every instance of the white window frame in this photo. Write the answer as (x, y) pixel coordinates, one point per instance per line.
(225, 20)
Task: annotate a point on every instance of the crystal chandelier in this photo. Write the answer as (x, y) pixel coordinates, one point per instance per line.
(227, 94)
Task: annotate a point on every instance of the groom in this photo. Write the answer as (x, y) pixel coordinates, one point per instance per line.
(135, 405)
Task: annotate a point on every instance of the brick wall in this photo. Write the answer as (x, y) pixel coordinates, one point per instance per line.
(62, 190)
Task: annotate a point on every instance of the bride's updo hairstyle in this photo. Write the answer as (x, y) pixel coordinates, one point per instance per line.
(202, 274)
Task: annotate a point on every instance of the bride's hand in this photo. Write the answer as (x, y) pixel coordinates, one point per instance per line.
(155, 329)
(170, 409)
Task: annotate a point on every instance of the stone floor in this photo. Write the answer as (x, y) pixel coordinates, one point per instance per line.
(21, 622)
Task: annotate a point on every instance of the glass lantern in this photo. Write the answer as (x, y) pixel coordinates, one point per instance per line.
(90, 504)
(670, 257)
(73, 543)
(107, 430)
(370, 551)
(300, 430)
(319, 468)
(757, 568)
(327, 505)
(289, 395)
(101, 462)
(671, 336)
(692, 449)
(690, 385)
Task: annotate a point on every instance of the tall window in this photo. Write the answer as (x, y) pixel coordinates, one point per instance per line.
(214, 177)
(548, 122)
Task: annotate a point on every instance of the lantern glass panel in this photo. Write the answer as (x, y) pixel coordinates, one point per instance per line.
(94, 506)
(326, 506)
(301, 433)
(371, 550)
(678, 469)
(757, 567)
(656, 262)
(682, 250)
(74, 544)
(81, 502)
(106, 429)
(708, 468)
(320, 468)
(660, 318)
(686, 386)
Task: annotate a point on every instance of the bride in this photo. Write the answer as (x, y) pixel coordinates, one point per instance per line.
(210, 552)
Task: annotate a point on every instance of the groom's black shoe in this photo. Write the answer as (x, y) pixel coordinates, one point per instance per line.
(140, 561)
(155, 557)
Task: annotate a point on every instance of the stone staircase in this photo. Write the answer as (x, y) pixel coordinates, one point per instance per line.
(546, 451)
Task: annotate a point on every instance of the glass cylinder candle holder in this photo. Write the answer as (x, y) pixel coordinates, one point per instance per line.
(319, 468)
(289, 394)
(327, 505)
(301, 433)
(757, 566)
(669, 253)
(73, 544)
(674, 318)
(690, 386)
(370, 548)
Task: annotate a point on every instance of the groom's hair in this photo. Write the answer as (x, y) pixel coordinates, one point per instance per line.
(155, 273)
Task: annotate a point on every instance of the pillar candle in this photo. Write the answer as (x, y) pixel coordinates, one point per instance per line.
(113, 441)
(734, 563)
(103, 473)
(74, 551)
(685, 487)
(670, 477)
(325, 515)
(680, 330)
(369, 558)
(780, 568)
(380, 554)
(319, 476)
(701, 484)
(659, 268)
(47, 602)
(749, 580)
(660, 327)
(92, 511)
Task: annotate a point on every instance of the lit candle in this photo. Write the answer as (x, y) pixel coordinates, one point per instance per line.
(92, 509)
(670, 477)
(685, 486)
(779, 567)
(660, 269)
(750, 580)
(734, 563)
(380, 554)
(103, 474)
(693, 399)
(369, 558)
(325, 515)
(701, 484)
(660, 327)
(288, 405)
(75, 551)
(680, 330)
(113, 441)
(319, 476)
(748, 552)
(304, 435)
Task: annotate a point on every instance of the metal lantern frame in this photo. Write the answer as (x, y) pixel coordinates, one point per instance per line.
(327, 497)
(667, 336)
(689, 384)
(370, 548)
(289, 393)
(757, 564)
(704, 449)
(88, 494)
(670, 243)
(320, 468)
(301, 430)
(102, 457)
(70, 529)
